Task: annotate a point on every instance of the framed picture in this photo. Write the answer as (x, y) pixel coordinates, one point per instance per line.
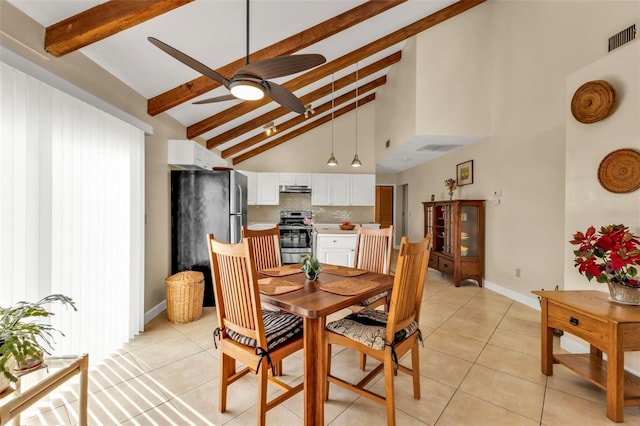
(464, 172)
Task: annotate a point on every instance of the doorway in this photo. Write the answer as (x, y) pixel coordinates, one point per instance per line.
(384, 205)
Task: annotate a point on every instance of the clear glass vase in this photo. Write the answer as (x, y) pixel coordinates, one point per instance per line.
(624, 294)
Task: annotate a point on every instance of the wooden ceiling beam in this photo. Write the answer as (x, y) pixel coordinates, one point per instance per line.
(312, 35)
(282, 139)
(306, 99)
(328, 68)
(299, 119)
(102, 21)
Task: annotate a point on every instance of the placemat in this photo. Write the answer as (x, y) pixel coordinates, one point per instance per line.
(282, 271)
(273, 286)
(349, 287)
(342, 271)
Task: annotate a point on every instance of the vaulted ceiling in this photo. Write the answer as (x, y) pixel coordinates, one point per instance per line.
(357, 38)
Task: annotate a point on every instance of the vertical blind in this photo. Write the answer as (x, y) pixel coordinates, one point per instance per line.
(71, 213)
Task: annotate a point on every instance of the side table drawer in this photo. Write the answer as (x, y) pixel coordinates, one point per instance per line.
(586, 327)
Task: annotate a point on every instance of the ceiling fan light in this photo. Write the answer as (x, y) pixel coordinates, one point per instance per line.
(332, 161)
(247, 90)
(356, 162)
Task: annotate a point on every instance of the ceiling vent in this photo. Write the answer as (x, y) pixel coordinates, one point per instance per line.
(623, 37)
(438, 147)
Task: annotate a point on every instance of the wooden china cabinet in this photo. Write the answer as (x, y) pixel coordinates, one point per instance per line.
(458, 238)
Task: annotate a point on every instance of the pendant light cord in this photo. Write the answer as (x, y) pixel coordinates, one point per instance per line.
(332, 109)
(356, 108)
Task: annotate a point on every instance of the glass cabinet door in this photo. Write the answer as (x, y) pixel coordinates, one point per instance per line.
(469, 230)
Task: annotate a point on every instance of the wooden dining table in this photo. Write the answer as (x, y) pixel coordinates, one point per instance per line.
(314, 305)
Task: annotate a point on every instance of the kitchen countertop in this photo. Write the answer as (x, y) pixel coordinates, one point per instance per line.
(334, 231)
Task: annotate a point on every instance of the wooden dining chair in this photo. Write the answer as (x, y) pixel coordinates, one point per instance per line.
(266, 246)
(256, 338)
(384, 336)
(373, 254)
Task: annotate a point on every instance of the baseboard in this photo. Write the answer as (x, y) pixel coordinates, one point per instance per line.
(531, 301)
(155, 311)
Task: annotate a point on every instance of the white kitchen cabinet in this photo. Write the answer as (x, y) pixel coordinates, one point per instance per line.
(330, 189)
(297, 179)
(188, 154)
(252, 190)
(267, 191)
(363, 190)
(336, 249)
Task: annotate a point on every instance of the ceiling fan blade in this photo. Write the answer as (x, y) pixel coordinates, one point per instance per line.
(284, 97)
(228, 97)
(281, 66)
(190, 62)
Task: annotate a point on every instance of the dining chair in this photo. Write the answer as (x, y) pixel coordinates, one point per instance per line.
(373, 254)
(386, 336)
(266, 253)
(256, 338)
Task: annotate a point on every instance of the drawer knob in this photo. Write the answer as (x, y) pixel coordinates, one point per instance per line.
(573, 321)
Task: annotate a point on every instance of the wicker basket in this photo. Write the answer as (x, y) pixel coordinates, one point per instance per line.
(185, 293)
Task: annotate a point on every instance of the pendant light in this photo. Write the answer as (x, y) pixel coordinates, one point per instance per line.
(332, 160)
(356, 161)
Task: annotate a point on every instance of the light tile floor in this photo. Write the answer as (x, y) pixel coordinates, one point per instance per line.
(480, 365)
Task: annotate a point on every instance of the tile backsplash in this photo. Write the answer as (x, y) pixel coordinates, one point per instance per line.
(321, 214)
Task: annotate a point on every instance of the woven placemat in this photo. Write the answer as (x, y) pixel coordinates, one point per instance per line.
(276, 285)
(619, 171)
(282, 271)
(342, 271)
(593, 101)
(349, 287)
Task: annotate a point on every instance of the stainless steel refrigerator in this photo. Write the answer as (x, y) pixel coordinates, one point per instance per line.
(204, 202)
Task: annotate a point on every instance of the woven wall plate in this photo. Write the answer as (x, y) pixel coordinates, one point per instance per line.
(619, 171)
(593, 101)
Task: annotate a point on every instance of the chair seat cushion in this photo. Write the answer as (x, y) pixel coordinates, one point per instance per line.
(369, 301)
(369, 327)
(279, 327)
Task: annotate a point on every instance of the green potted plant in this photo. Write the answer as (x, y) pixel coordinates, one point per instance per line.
(311, 266)
(24, 338)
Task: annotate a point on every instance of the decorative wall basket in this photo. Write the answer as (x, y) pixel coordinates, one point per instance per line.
(619, 171)
(593, 101)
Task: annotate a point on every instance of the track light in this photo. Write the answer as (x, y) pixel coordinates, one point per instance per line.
(308, 111)
(269, 128)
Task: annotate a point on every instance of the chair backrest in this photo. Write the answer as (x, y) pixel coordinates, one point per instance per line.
(406, 297)
(373, 249)
(236, 288)
(266, 247)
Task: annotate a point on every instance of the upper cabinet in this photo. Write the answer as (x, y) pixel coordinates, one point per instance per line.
(188, 154)
(267, 190)
(338, 189)
(296, 179)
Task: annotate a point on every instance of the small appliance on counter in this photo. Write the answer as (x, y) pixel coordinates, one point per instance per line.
(296, 235)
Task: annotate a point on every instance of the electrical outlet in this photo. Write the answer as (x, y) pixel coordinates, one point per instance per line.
(517, 272)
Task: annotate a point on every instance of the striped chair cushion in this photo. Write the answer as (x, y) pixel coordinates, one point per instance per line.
(280, 327)
(367, 302)
(368, 327)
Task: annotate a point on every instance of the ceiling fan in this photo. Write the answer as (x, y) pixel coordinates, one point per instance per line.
(251, 81)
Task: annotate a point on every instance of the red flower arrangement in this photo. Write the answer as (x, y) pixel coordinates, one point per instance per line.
(612, 254)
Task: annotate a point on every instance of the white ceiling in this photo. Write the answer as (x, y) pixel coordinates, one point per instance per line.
(213, 32)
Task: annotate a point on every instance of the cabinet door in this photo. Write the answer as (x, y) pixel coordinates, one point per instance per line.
(298, 179)
(340, 190)
(469, 230)
(268, 193)
(363, 190)
(340, 257)
(321, 192)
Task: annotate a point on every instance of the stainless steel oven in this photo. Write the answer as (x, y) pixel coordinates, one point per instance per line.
(296, 238)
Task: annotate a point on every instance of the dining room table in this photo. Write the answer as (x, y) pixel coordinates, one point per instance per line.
(335, 288)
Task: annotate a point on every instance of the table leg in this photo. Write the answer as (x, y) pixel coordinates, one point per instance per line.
(546, 355)
(315, 366)
(615, 376)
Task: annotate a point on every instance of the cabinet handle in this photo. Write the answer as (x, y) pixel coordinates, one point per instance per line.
(573, 321)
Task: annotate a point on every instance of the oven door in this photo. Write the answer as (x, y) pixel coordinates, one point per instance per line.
(294, 242)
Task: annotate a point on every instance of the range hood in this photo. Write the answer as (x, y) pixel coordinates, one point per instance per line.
(295, 188)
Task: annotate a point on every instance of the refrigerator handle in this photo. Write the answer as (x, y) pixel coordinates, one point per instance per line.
(240, 198)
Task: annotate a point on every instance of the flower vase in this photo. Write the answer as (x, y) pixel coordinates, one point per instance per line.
(625, 294)
(450, 195)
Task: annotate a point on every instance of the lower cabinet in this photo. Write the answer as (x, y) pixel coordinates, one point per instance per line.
(336, 249)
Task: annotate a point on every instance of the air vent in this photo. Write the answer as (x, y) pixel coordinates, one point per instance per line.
(623, 37)
(438, 148)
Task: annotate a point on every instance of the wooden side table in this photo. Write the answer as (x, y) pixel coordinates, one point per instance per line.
(608, 327)
(14, 402)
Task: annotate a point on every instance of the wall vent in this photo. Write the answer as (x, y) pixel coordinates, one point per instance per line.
(439, 148)
(623, 37)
